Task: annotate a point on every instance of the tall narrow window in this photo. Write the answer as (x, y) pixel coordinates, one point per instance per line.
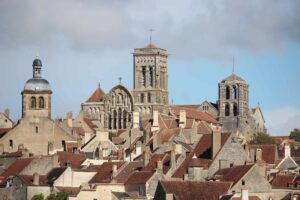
(41, 102)
(120, 118)
(11, 144)
(144, 76)
(36, 129)
(115, 120)
(151, 76)
(149, 97)
(63, 144)
(33, 102)
(235, 109)
(124, 119)
(234, 92)
(109, 122)
(227, 110)
(142, 98)
(227, 92)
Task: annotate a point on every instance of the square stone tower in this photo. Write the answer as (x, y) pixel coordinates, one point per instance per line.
(150, 79)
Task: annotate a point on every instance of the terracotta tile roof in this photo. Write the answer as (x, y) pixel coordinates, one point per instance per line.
(74, 159)
(14, 169)
(152, 165)
(79, 130)
(195, 107)
(3, 131)
(282, 181)
(269, 152)
(128, 170)
(250, 198)
(90, 124)
(139, 178)
(203, 152)
(150, 46)
(28, 179)
(233, 174)
(97, 96)
(169, 133)
(183, 190)
(118, 140)
(104, 173)
(203, 128)
(233, 77)
(193, 114)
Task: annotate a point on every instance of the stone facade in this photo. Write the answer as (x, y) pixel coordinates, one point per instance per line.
(150, 79)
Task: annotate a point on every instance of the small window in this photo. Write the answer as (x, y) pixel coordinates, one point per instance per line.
(11, 143)
(33, 102)
(149, 97)
(36, 129)
(41, 102)
(142, 98)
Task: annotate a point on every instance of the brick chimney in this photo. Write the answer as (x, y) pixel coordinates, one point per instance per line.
(120, 154)
(173, 160)
(155, 124)
(146, 155)
(70, 119)
(182, 118)
(36, 179)
(258, 155)
(114, 171)
(216, 142)
(159, 168)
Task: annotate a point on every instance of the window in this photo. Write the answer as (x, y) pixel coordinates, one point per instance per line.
(11, 144)
(227, 92)
(235, 109)
(36, 129)
(33, 102)
(151, 76)
(227, 110)
(142, 98)
(149, 97)
(144, 76)
(41, 102)
(63, 144)
(234, 92)
(124, 119)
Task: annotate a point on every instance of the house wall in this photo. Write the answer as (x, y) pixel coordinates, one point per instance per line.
(35, 190)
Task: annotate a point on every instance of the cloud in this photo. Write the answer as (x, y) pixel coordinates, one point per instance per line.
(282, 121)
(188, 28)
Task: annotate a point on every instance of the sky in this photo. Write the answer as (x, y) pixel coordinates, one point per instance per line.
(82, 43)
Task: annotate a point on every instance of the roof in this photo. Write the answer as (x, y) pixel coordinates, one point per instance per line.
(233, 77)
(14, 169)
(139, 178)
(191, 190)
(152, 165)
(269, 152)
(128, 170)
(104, 173)
(37, 85)
(282, 181)
(150, 46)
(233, 174)
(74, 159)
(193, 114)
(90, 124)
(28, 179)
(3, 131)
(72, 191)
(97, 96)
(79, 130)
(54, 174)
(249, 198)
(202, 151)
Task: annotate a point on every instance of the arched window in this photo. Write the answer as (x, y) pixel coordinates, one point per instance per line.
(234, 92)
(227, 110)
(41, 102)
(142, 98)
(144, 76)
(120, 118)
(149, 97)
(36, 129)
(227, 92)
(63, 144)
(124, 119)
(115, 119)
(109, 122)
(235, 109)
(151, 76)
(33, 102)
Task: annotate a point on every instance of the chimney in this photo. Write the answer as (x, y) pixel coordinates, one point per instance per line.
(169, 196)
(146, 155)
(287, 151)
(7, 112)
(178, 149)
(36, 179)
(156, 139)
(136, 120)
(182, 118)
(159, 168)
(186, 177)
(114, 171)
(252, 155)
(55, 161)
(216, 143)
(138, 148)
(258, 155)
(70, 119)
(120, 154)
(173, 160)
(155, 125)
(245, 194)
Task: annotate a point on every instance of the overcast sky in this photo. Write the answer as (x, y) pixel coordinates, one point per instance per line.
(82, 43)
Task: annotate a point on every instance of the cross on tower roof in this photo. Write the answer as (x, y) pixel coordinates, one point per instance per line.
(151, 30)
(120, 80)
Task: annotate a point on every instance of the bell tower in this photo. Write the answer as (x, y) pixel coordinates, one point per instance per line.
(36, 95)
(150, 79)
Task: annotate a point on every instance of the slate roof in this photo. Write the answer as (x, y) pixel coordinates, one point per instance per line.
(97, 96)
(191, 190)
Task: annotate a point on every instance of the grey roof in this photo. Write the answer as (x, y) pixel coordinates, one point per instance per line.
(37, 62)
(37, 85)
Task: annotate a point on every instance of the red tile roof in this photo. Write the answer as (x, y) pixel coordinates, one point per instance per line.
(183, 190)
(169, 133)
(233, 174)
(203, 128)
(74, 159)
(152, 165)
(128, 170)
(282, 181)
(79, 130)
(139, 178)
(104, 173)
(269, 152)
(151, 46)
(4, 130)
(90, 124)
(193, 114)
(97, 96)
(233, 77)
(14, 169)
(28, 179)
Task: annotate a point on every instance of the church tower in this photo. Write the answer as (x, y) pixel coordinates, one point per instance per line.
(36, 95)
(150, 79)
(233, 103)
